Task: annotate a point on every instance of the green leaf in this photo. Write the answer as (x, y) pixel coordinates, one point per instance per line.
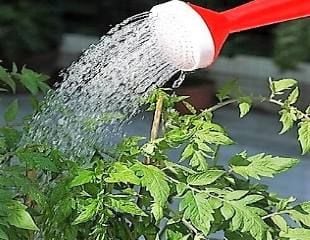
(264, 165)
(125, 206)
(304, 136)
(293, 97)
(239, 160)
(122, 174)
(3, 146)
(88, 212)
(177, 135)
(301, 217)
(29, 83)
(33, 81)
(175, 168)
(155, 182)
(35, 104)
(3, 235)
(203, 146)
(296, 234)
(280, 222)
(84, 176)
(157, 211)
(251, 199)
(11, 111)
(205, 178)
(43, 87)
(227, 211)
(37, 160)
(175, 235)
(7, 79)
(181, 188)
(227, 90)
(305, 206)
(20, 218)
(283, 203)
(282, 85)
(244, 108)
(287, 118)
(259, 211)
(239, 236)
(11, 136)
(301, 213)
(198, 160)
(215, 137)
(198, 211)
(245, 220)
(235, 195)
(215, 203)
(188, 152)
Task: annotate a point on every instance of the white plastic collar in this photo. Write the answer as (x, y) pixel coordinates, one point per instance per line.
(182, 35)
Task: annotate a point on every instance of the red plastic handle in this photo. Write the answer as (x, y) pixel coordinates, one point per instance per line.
(259, 13)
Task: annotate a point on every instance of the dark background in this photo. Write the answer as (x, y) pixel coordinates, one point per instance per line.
(31, 31)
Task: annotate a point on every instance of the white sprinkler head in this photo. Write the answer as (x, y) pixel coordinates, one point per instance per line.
(182, 35)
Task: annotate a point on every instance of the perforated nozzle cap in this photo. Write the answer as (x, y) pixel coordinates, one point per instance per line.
(182, 35)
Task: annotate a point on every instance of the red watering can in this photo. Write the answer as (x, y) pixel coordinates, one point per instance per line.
(191, 37)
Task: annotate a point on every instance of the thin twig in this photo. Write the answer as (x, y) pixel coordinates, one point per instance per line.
(281, 104)
(222, 104)
(274, 214)
(154, 135)
(156, 123)
(190, 226)
(32, 176)
(157, 117)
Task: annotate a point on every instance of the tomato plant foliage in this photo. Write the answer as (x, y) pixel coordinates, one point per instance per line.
(136, 191)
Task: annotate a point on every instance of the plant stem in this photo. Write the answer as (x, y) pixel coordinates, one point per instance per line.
(156, 123)
(31, 175)
(274, 214)
(221, 104)
(154, 135)
(271, 100)
(157, 117)
(190, 226)
(281, 104)
(277, 102)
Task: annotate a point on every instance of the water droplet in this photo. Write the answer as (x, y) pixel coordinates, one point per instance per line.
(177, 83)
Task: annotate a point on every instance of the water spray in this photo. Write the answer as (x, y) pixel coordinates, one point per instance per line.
(103, 89)
(192, 37)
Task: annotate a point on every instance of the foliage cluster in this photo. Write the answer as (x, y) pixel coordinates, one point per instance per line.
(136, 190)
(292, 43)
(28, 27)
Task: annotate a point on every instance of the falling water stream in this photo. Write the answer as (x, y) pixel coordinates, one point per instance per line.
(103, 89)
